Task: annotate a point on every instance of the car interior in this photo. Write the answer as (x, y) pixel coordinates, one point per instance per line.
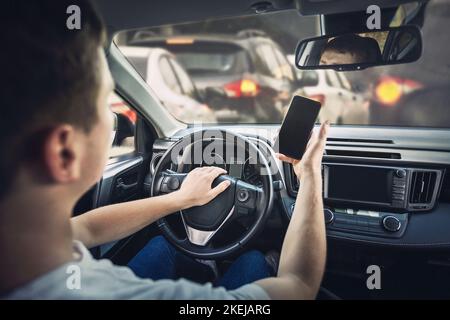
(386, 182)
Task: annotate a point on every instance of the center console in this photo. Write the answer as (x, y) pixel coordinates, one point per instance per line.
(374, 200)
(386, 187)
(377, 223)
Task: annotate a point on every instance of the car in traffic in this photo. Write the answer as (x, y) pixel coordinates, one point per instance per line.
(250, 67)
(170, 82)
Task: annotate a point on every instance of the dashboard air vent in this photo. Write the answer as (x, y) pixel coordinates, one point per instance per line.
(422, 187)
(363, 154)
(381, 141)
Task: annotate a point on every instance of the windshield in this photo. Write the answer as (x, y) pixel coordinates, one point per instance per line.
(242, 69)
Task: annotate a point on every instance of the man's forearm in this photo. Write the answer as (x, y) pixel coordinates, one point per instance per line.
(304, 248)
(117, 221)
(302, 260)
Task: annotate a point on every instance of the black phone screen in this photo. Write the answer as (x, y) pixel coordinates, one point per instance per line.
(297, 126)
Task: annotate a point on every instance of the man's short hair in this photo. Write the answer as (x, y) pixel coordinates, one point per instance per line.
(365, 49)
(50, 75)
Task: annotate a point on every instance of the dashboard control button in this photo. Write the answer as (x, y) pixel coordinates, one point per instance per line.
(398, 190)
(242, 195)
(399, 185)
(278, 185)
(400, 173)
(173, 183)
(397, 196)
(391, 223)
(329, 216)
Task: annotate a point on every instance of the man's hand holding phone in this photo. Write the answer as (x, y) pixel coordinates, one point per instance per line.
(312, 158)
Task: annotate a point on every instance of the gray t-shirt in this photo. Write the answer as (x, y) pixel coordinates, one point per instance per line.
(88, 278)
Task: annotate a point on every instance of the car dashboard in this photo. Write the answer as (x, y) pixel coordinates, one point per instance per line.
(382, 186)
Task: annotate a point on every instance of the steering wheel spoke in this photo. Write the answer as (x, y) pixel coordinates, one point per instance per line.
(246, 199)
(169, 181)
(203, 237)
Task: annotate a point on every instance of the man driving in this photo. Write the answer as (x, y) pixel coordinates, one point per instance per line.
(56, 127)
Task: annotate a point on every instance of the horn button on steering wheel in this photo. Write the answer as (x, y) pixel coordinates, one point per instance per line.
(211, 215)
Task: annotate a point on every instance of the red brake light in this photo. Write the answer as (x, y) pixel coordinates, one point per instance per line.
(242, 88)
(390, 90)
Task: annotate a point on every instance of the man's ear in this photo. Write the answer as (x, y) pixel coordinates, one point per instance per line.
(61, 154)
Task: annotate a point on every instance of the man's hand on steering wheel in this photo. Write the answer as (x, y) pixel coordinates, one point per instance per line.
(196, 188)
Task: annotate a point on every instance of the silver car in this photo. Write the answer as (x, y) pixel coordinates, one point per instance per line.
(170, 82)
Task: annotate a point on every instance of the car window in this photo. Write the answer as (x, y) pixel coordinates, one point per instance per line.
(267, 56)
(328, 78)
(334, 80)
(309, 78)
(140, 64)
(260, 63)
(339, 79)
(286, 68)
(124, 141)
(343, 81)
(224, 60)
(168, 75)
(185, 81)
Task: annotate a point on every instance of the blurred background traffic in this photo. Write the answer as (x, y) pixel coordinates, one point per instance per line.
(241, 70)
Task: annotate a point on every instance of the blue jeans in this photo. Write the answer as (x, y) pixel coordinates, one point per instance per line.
(160, 260)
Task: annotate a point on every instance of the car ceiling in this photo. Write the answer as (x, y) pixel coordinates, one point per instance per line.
(131, 14)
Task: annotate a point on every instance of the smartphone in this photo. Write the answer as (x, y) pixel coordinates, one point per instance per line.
(297, 126)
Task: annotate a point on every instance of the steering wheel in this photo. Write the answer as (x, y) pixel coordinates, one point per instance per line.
(240, 199)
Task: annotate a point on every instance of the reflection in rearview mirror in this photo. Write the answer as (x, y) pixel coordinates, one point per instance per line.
(355, 51)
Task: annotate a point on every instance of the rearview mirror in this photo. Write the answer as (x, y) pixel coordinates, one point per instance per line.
(356, 51)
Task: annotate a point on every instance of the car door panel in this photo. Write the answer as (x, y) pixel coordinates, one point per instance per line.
(122, 181)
